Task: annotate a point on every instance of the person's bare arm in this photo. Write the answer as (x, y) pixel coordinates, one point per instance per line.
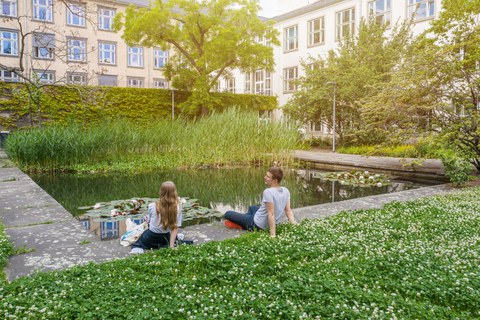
(173, 237)
(289, 213)
(271, 218)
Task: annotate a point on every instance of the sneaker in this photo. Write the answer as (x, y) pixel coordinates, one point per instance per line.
(136, 250)
(232, 225)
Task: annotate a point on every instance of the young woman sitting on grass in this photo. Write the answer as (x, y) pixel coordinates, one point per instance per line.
(164, 218)
(275, 203)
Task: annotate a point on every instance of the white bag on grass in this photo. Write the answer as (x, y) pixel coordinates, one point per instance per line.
(134, 231)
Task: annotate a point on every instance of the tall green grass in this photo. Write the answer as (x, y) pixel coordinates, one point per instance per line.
(232, 137)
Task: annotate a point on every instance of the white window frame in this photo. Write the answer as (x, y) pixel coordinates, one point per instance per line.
(79, 78)
(381, 11)
(81, 46)
(8, 76)
(426, 8)
(43, 10)
(76, 14)
(135, 57)
(230, 85)
(248, 83)
(107, 53)
(160, 58)
(10, 41)
(105, 18)
(258, 78)
(45, 76)
(290, 38)
(160, 83)
(43, 53)
(289, 76)
(313, 31)
(344, 28)
(135, 82)
(12, 8)
(268, 83)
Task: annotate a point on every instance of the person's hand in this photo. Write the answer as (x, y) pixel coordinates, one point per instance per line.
(272, 236)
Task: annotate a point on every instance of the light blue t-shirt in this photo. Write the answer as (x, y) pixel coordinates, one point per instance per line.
(152, 219)
(279, 196)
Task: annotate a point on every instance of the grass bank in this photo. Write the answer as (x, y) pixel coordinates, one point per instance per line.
(409, 260)
(228, 138)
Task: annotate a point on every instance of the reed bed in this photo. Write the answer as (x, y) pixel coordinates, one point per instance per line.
(231, 137)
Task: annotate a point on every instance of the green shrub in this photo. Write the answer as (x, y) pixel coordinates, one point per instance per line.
(6, 249)
(84, 104)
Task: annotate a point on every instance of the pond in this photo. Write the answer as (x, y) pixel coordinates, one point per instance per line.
(219, 189)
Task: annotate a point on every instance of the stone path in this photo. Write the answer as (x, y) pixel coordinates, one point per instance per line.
(34, 220)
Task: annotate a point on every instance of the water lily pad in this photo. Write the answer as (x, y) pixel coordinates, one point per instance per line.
(135, 208)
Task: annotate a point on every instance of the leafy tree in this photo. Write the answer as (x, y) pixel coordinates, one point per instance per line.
(209, 39)
(456, 36)
(360, 67)
(442, 81)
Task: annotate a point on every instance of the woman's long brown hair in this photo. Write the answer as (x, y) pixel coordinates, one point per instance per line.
(167, 206)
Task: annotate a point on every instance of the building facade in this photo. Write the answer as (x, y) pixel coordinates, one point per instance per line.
(73, 42)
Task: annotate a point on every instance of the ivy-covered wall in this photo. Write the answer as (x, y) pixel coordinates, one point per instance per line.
(60, 104)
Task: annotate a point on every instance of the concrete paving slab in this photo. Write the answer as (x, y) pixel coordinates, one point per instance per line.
(57, 246)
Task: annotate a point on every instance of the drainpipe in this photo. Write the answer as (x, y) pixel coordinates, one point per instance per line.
(26, 49)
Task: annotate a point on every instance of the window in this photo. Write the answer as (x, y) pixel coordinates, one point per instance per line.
(248, 83)
(43, 10)
(43, 45)
(107, 80)
(8, 8)
(316, 31)
(76, 15)
(380, 11)
(290, 38)
(345, 23)
(290, 75)
(230, 85)
(160, 58)
(77, 78)
(160, 83)
(263, 83)
(135, 82)
(135, 57)
(43, 76)
(8, 76)
(422, 9)
(105, 18)
(258, 82)
(8, 43)
(77, 50)
(268, 84)
(106, 53)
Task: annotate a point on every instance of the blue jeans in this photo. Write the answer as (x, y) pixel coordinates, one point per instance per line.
(244, 219)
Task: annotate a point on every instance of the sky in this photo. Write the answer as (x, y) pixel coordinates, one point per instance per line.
(269, 8)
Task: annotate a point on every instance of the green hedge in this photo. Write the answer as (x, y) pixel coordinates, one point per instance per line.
(61, 104)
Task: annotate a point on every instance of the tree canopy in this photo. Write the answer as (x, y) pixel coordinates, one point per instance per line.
(360, 68)
(208, 39)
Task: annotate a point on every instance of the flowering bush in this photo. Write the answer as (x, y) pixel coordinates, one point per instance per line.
(409, 260)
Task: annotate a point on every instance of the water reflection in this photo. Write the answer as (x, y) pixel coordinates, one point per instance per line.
(226, 189)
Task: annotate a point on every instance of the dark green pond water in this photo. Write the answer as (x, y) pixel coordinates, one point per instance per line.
(223, 189)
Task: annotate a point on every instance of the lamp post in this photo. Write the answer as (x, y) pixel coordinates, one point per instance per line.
(333, 114)
(173, 103)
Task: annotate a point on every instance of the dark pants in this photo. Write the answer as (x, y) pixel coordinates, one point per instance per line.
(243, 219)
(152, 240)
